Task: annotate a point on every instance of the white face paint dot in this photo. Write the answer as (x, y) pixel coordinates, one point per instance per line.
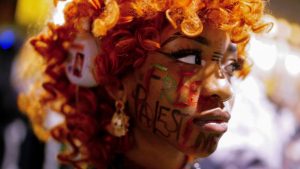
(80, 64)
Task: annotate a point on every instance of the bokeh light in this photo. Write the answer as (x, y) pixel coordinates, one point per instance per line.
(7, 39)
(292, 64)
(263, 54)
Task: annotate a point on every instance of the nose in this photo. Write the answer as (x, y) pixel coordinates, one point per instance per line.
(216, 84)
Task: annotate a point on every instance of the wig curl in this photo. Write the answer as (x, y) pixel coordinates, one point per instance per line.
(126, 30)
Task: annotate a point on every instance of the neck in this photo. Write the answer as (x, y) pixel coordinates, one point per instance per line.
(153, 153)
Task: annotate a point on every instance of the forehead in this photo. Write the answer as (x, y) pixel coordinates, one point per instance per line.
(216, 39)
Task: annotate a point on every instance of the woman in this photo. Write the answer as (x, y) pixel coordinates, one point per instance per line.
(140, 83)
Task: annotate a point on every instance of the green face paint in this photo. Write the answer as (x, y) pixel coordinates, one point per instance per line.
(160, 67)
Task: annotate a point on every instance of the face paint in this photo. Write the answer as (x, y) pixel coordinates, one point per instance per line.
(169, 84)
(80, 64)
(181, 97)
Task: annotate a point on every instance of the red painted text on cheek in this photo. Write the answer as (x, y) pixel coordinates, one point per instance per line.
(186, 92)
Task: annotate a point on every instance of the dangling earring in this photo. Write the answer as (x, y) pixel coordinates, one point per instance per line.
(120, 121)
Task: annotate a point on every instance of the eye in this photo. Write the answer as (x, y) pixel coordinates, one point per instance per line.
(191, 59)
(232, 66)
(190, 56)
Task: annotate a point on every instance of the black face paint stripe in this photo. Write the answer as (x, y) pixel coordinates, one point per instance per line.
(217, 56)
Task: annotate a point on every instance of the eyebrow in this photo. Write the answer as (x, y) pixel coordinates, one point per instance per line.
(177, 35)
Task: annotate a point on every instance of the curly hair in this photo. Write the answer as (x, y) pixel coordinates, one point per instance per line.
(127, 30)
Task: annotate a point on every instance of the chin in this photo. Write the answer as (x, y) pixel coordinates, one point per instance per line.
(202, 153)
(202, 150)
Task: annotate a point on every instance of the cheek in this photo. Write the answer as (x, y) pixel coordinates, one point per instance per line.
(174, 86)
(153, 92)
(188, 94)
(152, 109)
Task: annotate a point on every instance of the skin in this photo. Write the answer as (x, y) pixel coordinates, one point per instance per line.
(167, 92)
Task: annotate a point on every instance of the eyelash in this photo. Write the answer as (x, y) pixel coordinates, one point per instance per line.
(232, 67)
(184, 53)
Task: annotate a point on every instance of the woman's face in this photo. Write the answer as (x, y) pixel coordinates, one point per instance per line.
(182, 94)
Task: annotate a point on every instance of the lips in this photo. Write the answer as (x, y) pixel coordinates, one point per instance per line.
(213, 121)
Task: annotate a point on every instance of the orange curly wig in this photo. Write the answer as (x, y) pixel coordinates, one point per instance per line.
(127, 30)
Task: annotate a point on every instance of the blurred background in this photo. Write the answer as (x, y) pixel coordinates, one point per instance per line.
(264, 132)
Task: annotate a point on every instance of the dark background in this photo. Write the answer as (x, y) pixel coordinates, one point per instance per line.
(288, 9)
